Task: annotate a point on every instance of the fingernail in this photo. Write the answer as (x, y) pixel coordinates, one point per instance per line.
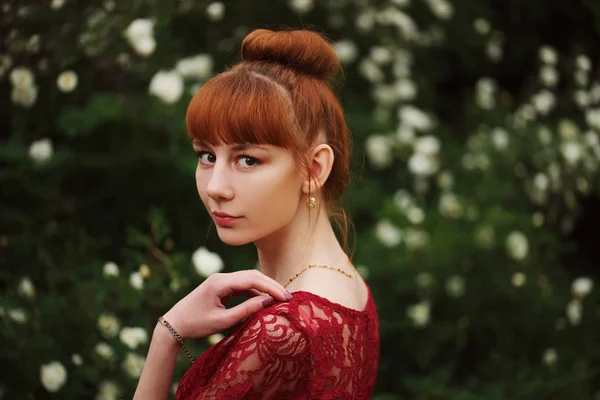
(267, 301)
(288, 295)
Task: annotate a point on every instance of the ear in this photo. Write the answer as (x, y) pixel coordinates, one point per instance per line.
(320, 162)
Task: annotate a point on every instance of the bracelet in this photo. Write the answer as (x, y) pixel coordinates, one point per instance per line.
(163, 321)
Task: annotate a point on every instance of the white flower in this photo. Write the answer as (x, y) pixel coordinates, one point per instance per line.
(405, 134)
(422, 165)
(136, 280)
(41, 150)
(485, 90)
(419, 313)
(518, 279)
(543, 101)
(581, 98)
(110, 270)
(402, 21)
(406, 89)
(455, 286)
(449, 205)
(582, 286)
(301, 6)
(167, 85)
(549, 75)
(76, 359)
(379, 151)
(548, 55)
(17, 315)
(371, 71)
(140, 35)
(215, 338)
(133, 364)
(345, 50)
(428, 145)
(592, 118)
(574, 311)
(21, 77)
(387, 233)
(549, 357)
(583, 63)
(541, 182)
(206, 262)
(56, 4)
(412, 117)
(26, 288)
(517, 245)
(132, 337)
(415, 215)
(441, 8)
(572, 152)
(108, 390)
(104, 350)
(53, 376)
(108, 325)
(482, 26)
(499, 138)
(24, 97)
(67, 81)
(415, 238)
(215, 11)
(199, 66)
(381, 55)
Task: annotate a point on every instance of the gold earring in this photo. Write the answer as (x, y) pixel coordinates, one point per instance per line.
(311, 203)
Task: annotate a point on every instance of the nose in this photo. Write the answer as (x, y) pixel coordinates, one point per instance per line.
(219, 185)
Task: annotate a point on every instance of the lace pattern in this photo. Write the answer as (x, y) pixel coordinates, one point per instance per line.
(307, 348)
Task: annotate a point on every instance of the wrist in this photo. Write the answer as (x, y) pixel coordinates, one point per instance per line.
(162, 335)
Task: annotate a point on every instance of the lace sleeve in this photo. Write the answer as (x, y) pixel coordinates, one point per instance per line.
(268, 361)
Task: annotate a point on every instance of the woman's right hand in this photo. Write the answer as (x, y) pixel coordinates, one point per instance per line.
(202, 312)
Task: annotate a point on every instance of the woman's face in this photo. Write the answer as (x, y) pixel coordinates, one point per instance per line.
(259, 186)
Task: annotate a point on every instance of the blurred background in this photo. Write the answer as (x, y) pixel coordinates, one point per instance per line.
(475, 192)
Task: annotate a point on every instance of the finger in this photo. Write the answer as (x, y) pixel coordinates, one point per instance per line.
(246, 309)
(251, 279)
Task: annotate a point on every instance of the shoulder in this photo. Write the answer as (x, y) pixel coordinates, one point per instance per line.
(278, 329)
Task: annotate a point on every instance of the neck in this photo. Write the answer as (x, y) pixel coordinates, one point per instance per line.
(302, 242)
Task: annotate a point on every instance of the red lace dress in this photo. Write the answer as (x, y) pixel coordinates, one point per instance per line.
(307, 348)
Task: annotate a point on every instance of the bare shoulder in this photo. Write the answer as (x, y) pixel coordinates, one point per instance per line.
(335, 287)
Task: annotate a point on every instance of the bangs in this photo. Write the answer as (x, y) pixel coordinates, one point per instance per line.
(240, 107)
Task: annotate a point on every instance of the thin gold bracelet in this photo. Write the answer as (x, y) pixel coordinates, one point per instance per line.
(163, 321)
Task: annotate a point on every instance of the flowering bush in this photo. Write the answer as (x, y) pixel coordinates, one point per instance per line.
(474, 210)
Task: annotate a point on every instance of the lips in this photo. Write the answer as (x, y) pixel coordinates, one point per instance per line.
(223, 219)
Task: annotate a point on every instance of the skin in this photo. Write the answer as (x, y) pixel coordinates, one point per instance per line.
(266, 187)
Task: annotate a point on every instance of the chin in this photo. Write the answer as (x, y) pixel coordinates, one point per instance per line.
(233, 238)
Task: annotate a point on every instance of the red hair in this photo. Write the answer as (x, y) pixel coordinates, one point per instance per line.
(279, 94)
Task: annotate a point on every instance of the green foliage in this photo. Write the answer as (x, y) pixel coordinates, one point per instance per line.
(475, 218)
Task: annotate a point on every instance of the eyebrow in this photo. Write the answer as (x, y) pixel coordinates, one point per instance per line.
(237, 147)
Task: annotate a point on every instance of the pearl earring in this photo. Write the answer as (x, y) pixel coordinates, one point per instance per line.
(311, 203)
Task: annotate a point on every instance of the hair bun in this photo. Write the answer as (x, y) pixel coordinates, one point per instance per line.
(301, 50)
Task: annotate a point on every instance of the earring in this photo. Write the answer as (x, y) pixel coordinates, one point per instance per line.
(311, 203)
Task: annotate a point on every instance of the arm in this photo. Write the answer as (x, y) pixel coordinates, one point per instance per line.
(200, 314)
(270, 360)
(157, 374)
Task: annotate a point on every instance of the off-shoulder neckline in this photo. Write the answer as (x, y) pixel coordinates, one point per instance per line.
(338, 306)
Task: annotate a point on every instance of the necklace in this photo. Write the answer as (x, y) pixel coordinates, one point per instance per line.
(317, 266)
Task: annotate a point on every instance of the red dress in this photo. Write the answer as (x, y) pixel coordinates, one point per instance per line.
(306, 348)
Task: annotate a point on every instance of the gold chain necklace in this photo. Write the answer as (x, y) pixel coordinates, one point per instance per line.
(317, 266)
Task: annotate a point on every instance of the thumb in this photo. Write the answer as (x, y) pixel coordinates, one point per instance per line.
(247, 308)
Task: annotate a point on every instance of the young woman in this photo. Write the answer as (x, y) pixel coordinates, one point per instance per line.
(273, 159)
